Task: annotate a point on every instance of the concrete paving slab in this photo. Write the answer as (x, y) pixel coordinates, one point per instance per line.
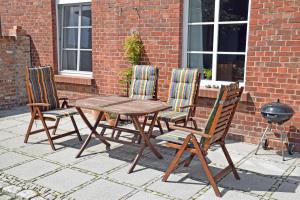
(239, 147)
(138, 177)
(16, 142)
(40, 149)
(226, 195)
(248, 182)
(145, 196)
(64, 180)
(264, 167)
(10, 158)
(99, 164)
(64, 156)
(287, 191)
(4, 124)
(177, 187)
(103, 189)
(295, 175)
(31, 169)
(6, 135)
(218, 158)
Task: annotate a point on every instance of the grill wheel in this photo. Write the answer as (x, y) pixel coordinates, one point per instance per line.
(291, 148)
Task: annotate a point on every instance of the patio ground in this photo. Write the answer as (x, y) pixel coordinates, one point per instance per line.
(34, 171)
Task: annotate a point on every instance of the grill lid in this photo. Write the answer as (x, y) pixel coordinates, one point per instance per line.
(277, 108)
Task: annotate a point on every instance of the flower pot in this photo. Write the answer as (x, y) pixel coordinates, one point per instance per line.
(95, 114)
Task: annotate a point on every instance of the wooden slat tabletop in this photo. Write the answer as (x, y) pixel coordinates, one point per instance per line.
(121, 105)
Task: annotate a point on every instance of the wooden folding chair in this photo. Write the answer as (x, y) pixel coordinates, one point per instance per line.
(197, 142)
(183, 92)
(44, 103)
(143, 85)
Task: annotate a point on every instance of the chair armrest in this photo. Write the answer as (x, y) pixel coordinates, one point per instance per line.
(193, 131)
(38, 104)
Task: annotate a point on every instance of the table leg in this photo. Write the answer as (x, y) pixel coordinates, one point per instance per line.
(146, 139)
(93, 131)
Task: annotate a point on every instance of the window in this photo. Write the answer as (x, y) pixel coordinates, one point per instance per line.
(215, 39)
(75, 38)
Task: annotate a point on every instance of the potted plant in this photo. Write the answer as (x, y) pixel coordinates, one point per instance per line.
(133, 48)
(111, 118)
(207, 74)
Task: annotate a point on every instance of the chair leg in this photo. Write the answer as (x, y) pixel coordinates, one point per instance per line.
(46, 130)
(29, 128)
(189, 160)
(115, 125)
(195, 124)
(160, 127)
(174, 162)
(76, 128)
(206, 167)
(56, 125)
(168, 126)
(229, 160)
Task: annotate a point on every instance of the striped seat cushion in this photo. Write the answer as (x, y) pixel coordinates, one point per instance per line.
(60, 113)
(41, 87)
(172, 116)
(176, 136)
(183, 88)
(143, 83)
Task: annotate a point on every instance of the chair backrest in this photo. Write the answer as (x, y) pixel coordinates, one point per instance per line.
(184, 88)
(222, 114)
(41, 87)
(144, 82)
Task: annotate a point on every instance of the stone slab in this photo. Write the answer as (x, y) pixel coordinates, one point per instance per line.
(64, 180)
(100, 164)
(102, 188)
(31, 169)
(138, 177)
(177, 187)
(226, 195)
(11, 158)
(26, 194)
(287, 191)
(146, 196)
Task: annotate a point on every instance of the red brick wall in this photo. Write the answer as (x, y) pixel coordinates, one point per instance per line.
(36, 18)
(14, 56)
(272, 72)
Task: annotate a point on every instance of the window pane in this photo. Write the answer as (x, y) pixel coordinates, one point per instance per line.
(232, 37)
(230, 68)
(201, 10)
(71, 14)
(201, 37)
(86, 19)
(85, 61)
(202, 61)
(70, 38)
(69, 60)
(86, 38)
(233, 10)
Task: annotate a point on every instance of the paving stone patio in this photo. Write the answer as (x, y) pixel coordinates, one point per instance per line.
(34, 171)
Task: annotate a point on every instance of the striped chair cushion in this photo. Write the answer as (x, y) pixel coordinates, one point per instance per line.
(213, 113)
(172, 116)
(183, 88)
(176, 136)
(60, 113)
(41, 87)
(143, 83)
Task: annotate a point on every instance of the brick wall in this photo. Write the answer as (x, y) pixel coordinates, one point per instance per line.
(272, 72)
(14, 56)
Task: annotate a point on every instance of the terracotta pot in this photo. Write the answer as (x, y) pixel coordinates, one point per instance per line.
(95, 114)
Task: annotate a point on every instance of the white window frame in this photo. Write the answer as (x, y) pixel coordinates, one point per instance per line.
(215, 51)
(59, 28)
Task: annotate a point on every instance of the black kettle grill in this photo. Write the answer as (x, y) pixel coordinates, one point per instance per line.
(276, 113)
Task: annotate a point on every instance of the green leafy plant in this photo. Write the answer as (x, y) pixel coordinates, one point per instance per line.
(207, 74)
(126, 78)
(133, 48)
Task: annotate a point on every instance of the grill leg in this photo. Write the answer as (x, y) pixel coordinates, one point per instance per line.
(269, 127)
(282, 142)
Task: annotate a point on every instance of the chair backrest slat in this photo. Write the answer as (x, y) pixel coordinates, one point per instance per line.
(144, 82)
(222, 114)
(41, 87)
(184, 88)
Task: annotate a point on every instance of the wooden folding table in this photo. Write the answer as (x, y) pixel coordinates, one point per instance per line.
(122, 106)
